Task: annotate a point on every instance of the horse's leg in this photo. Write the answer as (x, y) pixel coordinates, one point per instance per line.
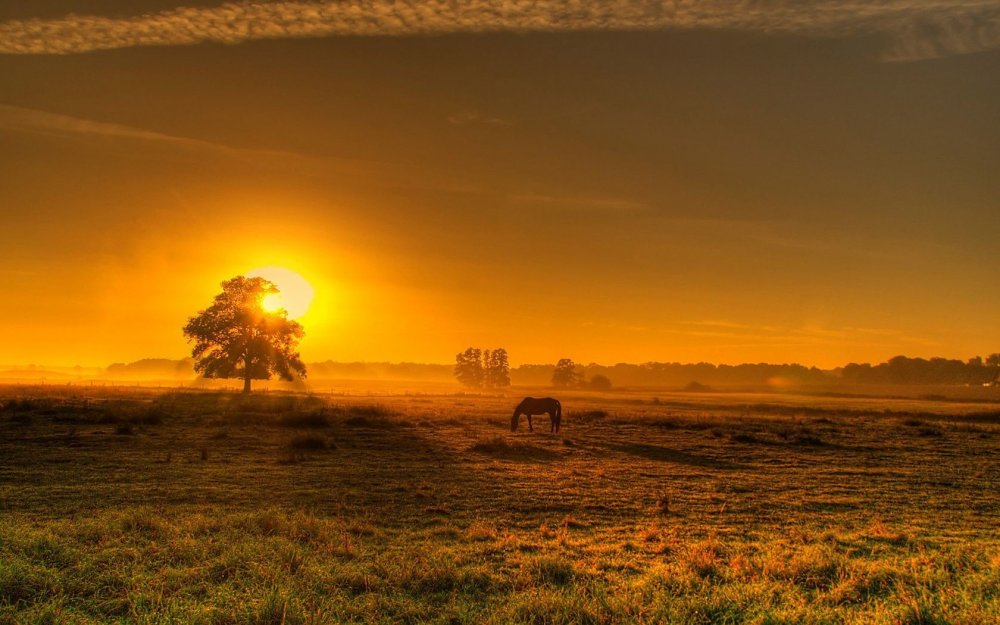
(530, 428)
(552, 421)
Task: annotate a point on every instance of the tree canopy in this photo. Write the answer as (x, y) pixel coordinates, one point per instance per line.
(236, 338)
(565, 373)
(478, 368)
(469, 367)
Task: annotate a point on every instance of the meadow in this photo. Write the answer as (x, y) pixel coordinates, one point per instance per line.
(177, 506)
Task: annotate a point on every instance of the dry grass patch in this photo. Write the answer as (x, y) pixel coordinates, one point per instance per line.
(471, 524)
(502, 448)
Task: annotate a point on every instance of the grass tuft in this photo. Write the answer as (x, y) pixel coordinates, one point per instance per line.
(587, 416)
(548, 570)
(494, 445)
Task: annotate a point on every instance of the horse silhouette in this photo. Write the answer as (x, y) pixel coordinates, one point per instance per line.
(531, 406)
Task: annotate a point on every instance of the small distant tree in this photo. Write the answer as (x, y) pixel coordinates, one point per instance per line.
(993, 360)
(600, 383)
(497, 368)
(236, 338)
(469, 367)
(565, 374)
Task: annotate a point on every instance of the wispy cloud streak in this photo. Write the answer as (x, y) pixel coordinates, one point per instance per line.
(915, 28)
(43, 122)
(376, 172)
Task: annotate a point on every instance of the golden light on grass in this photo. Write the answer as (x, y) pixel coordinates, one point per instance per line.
(295, 294)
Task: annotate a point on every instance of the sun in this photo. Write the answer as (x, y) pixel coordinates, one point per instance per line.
(295, 294)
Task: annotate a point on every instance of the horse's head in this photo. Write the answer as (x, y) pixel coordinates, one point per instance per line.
(514, 421)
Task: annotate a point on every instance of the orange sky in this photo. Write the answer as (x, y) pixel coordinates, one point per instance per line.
(607, 195)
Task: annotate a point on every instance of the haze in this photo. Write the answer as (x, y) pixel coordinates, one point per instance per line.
(809, 182)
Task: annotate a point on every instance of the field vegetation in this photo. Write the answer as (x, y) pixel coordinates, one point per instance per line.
(164, 506)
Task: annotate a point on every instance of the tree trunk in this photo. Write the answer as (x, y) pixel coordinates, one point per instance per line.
(246, 383)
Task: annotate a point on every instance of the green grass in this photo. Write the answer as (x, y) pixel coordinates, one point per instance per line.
(217, 508)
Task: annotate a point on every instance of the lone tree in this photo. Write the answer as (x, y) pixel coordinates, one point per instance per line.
(236, 338)
(565, 373)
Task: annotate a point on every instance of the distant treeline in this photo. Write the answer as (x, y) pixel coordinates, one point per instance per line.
(152, 368)
(903, 370)
(899, 370)
(673, 374)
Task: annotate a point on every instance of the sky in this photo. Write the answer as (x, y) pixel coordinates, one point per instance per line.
(629, 181)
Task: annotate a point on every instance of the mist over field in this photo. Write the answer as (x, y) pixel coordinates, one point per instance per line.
(972, 378)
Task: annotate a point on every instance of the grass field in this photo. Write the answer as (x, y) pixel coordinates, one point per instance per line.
(153, 506)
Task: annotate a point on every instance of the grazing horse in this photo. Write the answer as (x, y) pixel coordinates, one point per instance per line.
(532, 406)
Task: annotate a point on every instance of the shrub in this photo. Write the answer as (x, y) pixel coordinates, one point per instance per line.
(696, 387)
(600, 383)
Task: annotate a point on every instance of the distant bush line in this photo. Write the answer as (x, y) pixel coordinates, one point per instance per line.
(900, 370)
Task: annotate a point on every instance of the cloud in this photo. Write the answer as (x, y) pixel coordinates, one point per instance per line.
(613, 204)
(475, 117)
(18, 119)
(30, 120)
(915, 29)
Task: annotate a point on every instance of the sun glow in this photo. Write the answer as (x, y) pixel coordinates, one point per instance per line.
(294, 295)
(272, 302)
